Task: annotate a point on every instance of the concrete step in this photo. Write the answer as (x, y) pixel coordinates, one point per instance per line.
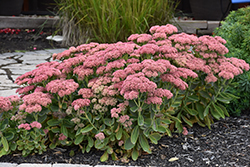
(187, 26)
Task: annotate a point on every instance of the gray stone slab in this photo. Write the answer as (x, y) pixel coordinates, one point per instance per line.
(35, 57)
(6, 93)
(34, 165)
(7, 165)
(5, 80)
(42, 52)
(14, 77)
(56, 50)
(7, 61)
(27, 22)
(34, 62)
(70, 165)
(2, 72)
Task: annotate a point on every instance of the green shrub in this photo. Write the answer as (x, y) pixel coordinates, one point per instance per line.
(119, 98)
(108, 21)
(236, 31)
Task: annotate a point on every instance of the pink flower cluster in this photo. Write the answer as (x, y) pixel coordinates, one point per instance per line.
(167, 29)
(136, 83)
(125, 121)
(62, 87)
(185, 131)
(62, 137)
(115, 112)
(25, 126)
(6, 103)
(79, 103)
(42, 73)
(34, 102)
(36, 124)
(86, 93)
(100, 136)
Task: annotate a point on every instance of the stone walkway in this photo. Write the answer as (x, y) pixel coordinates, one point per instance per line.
(15, 64)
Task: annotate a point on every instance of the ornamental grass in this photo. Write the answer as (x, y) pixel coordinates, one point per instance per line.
(121, 97)
(109, 21)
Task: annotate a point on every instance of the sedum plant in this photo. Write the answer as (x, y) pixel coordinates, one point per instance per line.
(120, 97)
(236, 31)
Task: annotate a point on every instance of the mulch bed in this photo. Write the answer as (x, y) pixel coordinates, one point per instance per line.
(12, 40)
(226, 144)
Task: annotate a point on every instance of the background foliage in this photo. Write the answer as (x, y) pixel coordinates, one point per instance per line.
(107, 21)
(236, 31)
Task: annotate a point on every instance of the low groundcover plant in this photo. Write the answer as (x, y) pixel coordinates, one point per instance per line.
(119, 97)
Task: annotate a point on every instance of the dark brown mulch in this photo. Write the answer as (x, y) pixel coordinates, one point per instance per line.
(226, 144)
(27, 40)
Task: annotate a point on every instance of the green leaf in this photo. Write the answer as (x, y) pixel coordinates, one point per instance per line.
(154, 125)
(193, 98)
(224, 109)
(135, 154)
(200, 108)
(64, 105)
(5, 143)
(157, 136)
(90, 141)
(186, 120)
(161, 129)
(135, 134)
(179, 126)
(204, 94)
(206, 111)
(44, 111)
(215, 114)
(146, 132)
(78, 139)
(88, 128)
(71, 153)
(109, 121)
(191, 111)
(88, 148)
(140, 120)
(219, 110)
(169, 132)
(166, 121)
(4, 124)
(155, 108)
(13, 146)
(110, 150)
(152, 139)
(134, 108)
(42, 118)
(89, 116)
(174, 118)
(128, 145)
(118, 135)
(104, 157)
(144, 143)
(9, 135)
(223, 100)
(53, 122)
(64, 131)
(54, 108)
(55, 130)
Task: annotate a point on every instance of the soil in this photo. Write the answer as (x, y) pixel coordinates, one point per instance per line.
(226, 144)
(16, 40)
